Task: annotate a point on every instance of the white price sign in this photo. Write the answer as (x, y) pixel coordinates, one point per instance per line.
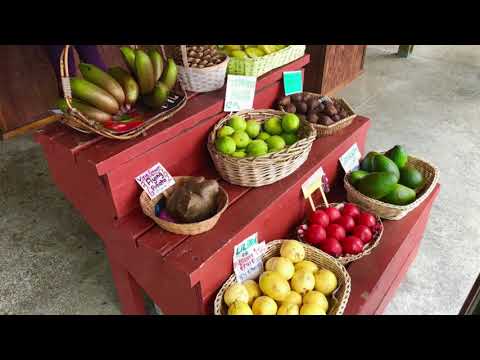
(155, 180)
(351, 159)
(247, 258)
(239, 93)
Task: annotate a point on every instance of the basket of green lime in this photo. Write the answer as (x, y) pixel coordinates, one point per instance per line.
(259, 147)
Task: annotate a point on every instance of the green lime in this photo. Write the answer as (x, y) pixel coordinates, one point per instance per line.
(239, 54)
(237, 123)
(253, 128)
(275, 143)
(273, 126)
(257, 148)
(289, 138)
(225, 131)
(290, 123)
(241, 139)
(226, 145)
(263, 135)
(239, 154)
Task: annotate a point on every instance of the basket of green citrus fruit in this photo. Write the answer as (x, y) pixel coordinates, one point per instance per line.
(391, 184)
(259, 147)
(256, 60)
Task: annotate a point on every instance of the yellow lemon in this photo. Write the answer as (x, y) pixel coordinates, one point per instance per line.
(312, 309)
(288, 309)
(325, 281)
(239, 308)
(303, 281)
(263, 305)
(316, 297)
(281, 265)
(307, 266)
(253, 290)
(274, 285)
(293, 298)
(292, 250)
(235, 292)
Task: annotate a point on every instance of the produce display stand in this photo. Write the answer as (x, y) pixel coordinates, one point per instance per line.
(182, 274)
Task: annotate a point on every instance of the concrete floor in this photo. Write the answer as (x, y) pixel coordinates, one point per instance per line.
(52, 263)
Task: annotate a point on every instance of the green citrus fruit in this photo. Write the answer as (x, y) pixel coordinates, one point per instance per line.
(290, 123)
(237, 123)
(263, 135)
(239, 154)
(225, 145)
(257, 148)
(225, 131)
(241, 139)
(289, 138)
(273, 126)
(275, 143)
(253, 128)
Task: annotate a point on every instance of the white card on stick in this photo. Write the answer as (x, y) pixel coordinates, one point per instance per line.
(155, 180)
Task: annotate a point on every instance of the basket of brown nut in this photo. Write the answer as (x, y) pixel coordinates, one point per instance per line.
(201, 68)
(328, 115)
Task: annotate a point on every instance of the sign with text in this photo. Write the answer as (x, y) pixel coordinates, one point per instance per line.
(292, 82)
(351, 159)
(155, 180)
(314, 183)
(247, 258)
(240, 93)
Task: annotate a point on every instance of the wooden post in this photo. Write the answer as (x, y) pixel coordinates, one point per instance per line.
(404, 51)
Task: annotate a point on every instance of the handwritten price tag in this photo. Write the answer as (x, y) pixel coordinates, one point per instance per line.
(314, 182)
(292, 82)
(240, 93)
(351, 159)
(247, 258)
(155, 180)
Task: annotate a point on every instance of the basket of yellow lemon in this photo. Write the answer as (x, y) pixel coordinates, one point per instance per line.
(256, 60)
(259, 147)
(298, 280)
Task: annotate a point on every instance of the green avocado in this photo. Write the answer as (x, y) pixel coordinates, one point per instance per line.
(377, 185)
(355, 176)
(411, 177)
(381, 163)
(367, 162)
(398, 155)
(400, 195)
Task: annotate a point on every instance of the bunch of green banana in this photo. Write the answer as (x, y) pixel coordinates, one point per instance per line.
(155, 79)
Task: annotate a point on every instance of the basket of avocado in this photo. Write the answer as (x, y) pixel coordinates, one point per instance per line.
(391, 184)
(328, 115)
(256, 60)
(259, 147)
(192, 206)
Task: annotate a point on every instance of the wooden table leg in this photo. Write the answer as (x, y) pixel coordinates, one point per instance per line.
(405, 50)
(129, 292)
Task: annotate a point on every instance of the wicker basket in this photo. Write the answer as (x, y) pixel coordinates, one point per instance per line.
(377, 235)
(324, 130)
(78, 121)
(201, 80)
(261, 65)
(266, 169)
(396, 212)
(339, 298)
(148, 207)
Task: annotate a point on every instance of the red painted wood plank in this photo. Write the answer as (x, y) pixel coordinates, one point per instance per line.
(373, 274)
(183, 154)
(272, 211)
(108, 154)
(398, 279)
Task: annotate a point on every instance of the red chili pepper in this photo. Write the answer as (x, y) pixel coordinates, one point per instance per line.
(121, 126)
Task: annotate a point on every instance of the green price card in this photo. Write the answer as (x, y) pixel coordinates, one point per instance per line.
(292, 82)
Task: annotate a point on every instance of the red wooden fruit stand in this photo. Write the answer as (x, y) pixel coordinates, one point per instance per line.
(182, 274)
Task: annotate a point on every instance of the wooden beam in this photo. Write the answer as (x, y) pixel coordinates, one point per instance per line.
(37, 124)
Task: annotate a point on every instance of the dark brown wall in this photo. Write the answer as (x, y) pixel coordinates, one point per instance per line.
(28, 84)
(332, 67)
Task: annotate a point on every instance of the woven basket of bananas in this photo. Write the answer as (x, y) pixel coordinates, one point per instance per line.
(123, 102)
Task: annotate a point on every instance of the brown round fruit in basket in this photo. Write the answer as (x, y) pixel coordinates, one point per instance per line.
(297, 98)
(285, 101)
(291, 109)
(313, 103)
(320, 107)
(302, 108)
(325, 120)
(313, 118)
(330, 110)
